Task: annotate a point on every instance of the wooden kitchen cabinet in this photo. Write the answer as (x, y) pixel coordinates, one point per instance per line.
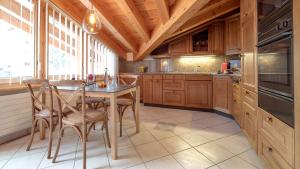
(250, 123)
(222, 93)
(236, 108)
(198, 94)
(216, 38)
(157, 91)
(275, 141)
(180, 46)
(232, 35)
(173, 97)
(152, 89)
(248, 24)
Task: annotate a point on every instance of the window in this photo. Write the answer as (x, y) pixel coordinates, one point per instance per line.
(16, 40)
(100, 57)
(64, 46)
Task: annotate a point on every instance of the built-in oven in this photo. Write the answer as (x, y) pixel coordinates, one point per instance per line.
(275, 65)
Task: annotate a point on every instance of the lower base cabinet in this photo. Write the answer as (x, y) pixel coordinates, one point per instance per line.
(173, 97)
(198, 94)
(275, 142)
(250, 124)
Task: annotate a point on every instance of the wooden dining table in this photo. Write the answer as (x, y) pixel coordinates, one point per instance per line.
(111, 92)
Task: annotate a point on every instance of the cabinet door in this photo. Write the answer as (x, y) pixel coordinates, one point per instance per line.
(198, 94)
(173, 98)
(173, 84)
(220, 93)
(157, 91)
(147, 90)
(250, 124)
(248, 44)
(232, 36)
(216, 38)
(180, 46)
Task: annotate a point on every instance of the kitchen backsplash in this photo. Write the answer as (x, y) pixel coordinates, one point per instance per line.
(179, 64)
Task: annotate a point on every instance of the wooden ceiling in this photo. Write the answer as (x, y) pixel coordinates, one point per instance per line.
(133, 28)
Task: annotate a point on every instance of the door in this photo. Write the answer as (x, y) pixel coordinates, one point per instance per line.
(147, 90)
(220, 93)
(198, 94)
(232, 36)
(157, 91)
(173, 98)
(180, 46)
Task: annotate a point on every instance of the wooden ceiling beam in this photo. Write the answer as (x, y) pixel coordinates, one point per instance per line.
(112, 25)
(134, 17)
(78, 15)
(163, 9)
(207, 14)
(183, 11)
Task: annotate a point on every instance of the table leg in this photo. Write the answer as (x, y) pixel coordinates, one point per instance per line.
(113, 119)
(137, 109)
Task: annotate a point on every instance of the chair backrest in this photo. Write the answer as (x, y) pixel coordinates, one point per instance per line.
(128, 80)
(44, 88)
(79, 91)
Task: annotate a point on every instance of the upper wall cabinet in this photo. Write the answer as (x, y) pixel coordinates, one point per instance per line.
(232, 35)
(199, 41)
(180, 46)
(216, 38)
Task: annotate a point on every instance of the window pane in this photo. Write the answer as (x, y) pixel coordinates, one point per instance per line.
(65, 39)
(17, 40)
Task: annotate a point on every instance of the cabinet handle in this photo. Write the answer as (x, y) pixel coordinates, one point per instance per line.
(234, 100)
(269, 119)
(270, 149)
(247, 113)
(247, 92)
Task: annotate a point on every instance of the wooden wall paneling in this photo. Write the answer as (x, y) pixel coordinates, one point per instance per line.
(207, 14)
(296, 31)
(184, 10)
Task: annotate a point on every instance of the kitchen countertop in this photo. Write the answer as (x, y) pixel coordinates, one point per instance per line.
(186, 73)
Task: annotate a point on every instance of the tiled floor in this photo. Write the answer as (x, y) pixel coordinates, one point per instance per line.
(169, 139)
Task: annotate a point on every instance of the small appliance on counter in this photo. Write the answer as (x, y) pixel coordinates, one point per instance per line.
(142, 69)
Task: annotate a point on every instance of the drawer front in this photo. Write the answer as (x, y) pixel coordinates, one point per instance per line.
(249, 97)
(173, 84)
(173, 98)
(157, 76)
(171, 77)
(250, 123)
(198, 77)
(271, 155)
(279, 134)
(237, 112)
(147, 76)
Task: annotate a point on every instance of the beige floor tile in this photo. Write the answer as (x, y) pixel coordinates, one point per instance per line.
(151, 151)
(235, 163)
(142, 138)
(8, 150)
(167, 162)
(233, 144)
(141, 166)
(251, 157)
(174, 144)
(214, 167)
(214, 152)
(126, 158)
(36, 147)
(192, 159)
(182, 129)
(66, 155)
(68, 165)
(194, 139)
(96, 158)
(3, 162)
(28, 161)
(161, 134)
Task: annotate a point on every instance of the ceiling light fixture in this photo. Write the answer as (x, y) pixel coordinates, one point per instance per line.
(91, 22)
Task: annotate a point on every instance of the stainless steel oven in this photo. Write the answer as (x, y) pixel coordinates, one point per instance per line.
(275, 63)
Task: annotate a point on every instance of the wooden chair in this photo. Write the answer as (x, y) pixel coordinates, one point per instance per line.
(80, 120)
(125, 101)
(40, 111)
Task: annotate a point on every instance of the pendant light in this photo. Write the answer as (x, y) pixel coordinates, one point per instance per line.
(91, 22)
